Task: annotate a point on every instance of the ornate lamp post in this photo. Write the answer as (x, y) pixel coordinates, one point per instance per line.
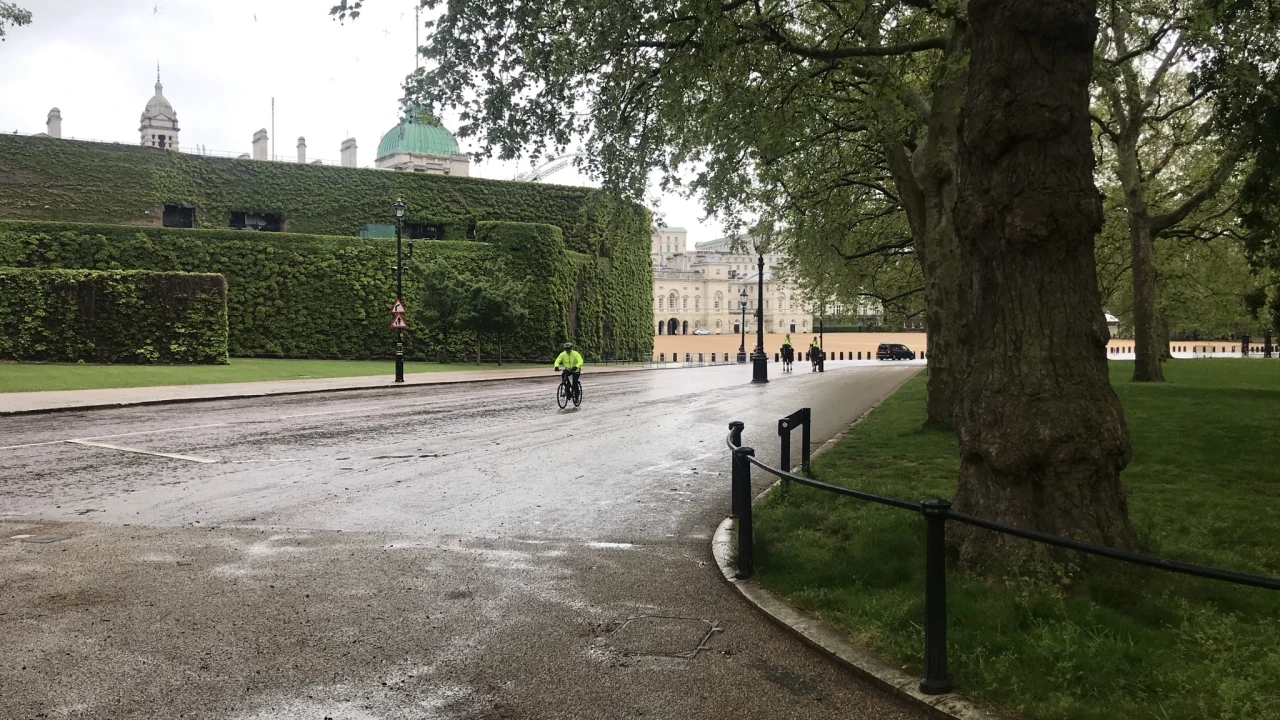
(742, 347)
(760, 361)
(398, 207)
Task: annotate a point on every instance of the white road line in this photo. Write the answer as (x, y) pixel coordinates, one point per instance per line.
(175, 456)
(329, 412)
(107, 437)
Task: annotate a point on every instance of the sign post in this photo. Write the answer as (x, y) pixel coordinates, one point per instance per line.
(399, 325)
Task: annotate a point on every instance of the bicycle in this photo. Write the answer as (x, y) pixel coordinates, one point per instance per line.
(568, 390)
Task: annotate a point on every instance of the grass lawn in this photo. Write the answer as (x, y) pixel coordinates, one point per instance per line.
(1122, 642)
(26, 377)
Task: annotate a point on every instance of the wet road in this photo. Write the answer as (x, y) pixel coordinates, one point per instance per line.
(435, 552)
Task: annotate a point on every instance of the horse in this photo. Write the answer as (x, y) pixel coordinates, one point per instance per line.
(815, 359)
(788, 356)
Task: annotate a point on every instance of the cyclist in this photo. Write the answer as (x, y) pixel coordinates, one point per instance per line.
(569, 363)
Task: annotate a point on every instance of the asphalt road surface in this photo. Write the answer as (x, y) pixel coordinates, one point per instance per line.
(432, 552)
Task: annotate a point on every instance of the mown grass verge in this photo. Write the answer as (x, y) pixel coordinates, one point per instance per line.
(1121, 642)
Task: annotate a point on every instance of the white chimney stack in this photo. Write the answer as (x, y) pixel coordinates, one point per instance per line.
(260, 145)
(54, 123)
(349, 152)
(302, 151)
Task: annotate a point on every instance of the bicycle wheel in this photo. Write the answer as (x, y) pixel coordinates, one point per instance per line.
(577, 396)
(562, 396)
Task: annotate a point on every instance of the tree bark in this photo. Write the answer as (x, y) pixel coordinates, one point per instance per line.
(1146, 341)
(1042, 434)
(926, 186)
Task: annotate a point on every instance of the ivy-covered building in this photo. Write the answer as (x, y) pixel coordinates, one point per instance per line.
(301, 279)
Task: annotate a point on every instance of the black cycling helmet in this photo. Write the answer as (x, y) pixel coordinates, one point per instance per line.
(568, 346)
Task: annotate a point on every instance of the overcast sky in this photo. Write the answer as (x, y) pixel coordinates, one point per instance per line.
(221, 62)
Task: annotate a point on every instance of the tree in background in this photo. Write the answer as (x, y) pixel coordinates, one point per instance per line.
(495, 308)
(1165, 149)
(446, 306)
(13, 16)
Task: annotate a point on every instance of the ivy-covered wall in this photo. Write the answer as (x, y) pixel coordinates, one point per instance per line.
(76, 181)
(46, 179)
(292, 295)
(112, 316)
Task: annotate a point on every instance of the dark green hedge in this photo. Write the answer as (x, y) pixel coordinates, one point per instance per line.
(320, 296)
(116, 316)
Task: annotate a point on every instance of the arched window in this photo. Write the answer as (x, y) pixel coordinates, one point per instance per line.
(766, 304)
(779, 323)
(804, 323)
(659, 303)
(671, 301)
(782, 301)
(717, 325)
(718, 299)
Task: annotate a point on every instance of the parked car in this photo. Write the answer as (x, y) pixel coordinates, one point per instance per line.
(702, 331)
(894, 351)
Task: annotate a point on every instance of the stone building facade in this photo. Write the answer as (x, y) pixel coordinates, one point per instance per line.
(704, 289)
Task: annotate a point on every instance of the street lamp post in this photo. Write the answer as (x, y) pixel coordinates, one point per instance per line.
(760, 361)
(398, 206)
(742, 347)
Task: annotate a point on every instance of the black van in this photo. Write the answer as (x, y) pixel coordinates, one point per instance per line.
(894, 351)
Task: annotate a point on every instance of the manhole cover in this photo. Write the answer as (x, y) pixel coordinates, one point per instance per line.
(662, 636)
(40, 538)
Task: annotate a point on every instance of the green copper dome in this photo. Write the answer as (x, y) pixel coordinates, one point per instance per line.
(418, 132)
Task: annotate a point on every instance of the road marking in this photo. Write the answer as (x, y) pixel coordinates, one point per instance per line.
(107, 437)
(329, 412)
(175, 456)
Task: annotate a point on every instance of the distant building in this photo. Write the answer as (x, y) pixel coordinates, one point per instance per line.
(703, 289)
(159, 125)
(419, 143)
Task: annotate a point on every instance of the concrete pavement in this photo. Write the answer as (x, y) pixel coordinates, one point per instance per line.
(464, 551)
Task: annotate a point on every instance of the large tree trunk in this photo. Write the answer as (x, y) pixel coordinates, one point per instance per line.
(1146, 340)
(925, 180)
(1042, 434)
(934, 166)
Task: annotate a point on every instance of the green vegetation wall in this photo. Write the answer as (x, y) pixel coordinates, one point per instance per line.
(293, 295)
(75, 181)
(112, 316)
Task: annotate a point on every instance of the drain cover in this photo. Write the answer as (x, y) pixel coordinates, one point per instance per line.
(662, 636)
(40, 538)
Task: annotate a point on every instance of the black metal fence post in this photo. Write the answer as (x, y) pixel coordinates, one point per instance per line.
(807, 453)
(735, 436)
(935, 680)
(784, 432)
(742, 481)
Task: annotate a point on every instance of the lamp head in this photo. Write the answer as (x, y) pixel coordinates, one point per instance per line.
(398, 206)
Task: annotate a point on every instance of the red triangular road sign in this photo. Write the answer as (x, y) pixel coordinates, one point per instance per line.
(397, 308)
(398, 323)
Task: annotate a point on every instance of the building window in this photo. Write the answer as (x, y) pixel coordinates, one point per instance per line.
(423, 231)
(267, 222)
(779, 323)
(697, 302)
(684, 303)
(671, 302)
(659, 303)
(719, 297)
(176, 216)
(717, 325)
